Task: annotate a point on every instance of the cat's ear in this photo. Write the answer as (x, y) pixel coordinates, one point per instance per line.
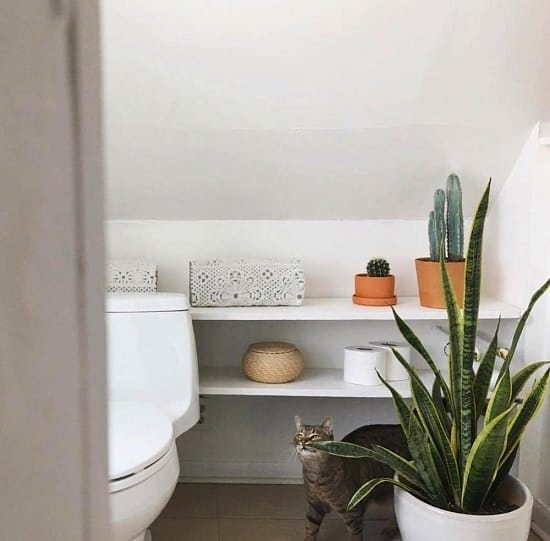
(327, 424)
(299, 422)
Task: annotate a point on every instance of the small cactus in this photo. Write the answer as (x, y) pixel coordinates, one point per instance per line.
(378, 267)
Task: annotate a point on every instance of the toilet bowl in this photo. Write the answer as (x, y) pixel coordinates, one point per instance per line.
(143, 467)
(153, 391)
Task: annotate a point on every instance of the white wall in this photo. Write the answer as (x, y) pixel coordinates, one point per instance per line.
(332, 251)
(315, 109)
(517, 262)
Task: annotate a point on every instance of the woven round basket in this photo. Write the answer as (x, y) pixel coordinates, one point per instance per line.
(272, 362)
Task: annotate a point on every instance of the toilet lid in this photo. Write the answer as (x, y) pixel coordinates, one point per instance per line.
(139, 434)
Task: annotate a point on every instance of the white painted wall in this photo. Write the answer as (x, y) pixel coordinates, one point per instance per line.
(315, 109)
(53, 448)
(517, 262)
(332, 251)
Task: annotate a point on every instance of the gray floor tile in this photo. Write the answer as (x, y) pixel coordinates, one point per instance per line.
(190, 529)
(203, 512)
(261, 501)
(252, 529)
(192, 500)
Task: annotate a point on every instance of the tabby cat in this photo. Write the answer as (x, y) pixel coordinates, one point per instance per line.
(330, 481)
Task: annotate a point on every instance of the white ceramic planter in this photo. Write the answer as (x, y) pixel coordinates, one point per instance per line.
(419, 521)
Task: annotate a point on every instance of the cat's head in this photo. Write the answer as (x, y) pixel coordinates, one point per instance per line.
(311, 433)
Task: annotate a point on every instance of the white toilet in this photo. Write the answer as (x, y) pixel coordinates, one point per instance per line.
(153, 398)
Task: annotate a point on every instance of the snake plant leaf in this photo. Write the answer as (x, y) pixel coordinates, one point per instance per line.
(422, 451)
(369, 486)
(501, 398)
(483, 460)
(445, 459)
(400, 465)
(403, 410)
(441, 405)
(523, 320)
(504, 468)
(341, 448)
(472, 288)
(410, 336)
(520, 378)
(404, 468)
(482, 379)
(460, 376)
(525, 412)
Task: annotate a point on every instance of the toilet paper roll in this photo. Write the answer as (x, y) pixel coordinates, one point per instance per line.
(361, 364)
(394, 369)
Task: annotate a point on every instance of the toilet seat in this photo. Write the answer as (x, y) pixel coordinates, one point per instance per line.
(140, 437)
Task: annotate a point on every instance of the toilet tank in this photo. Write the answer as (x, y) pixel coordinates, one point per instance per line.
(151, 354)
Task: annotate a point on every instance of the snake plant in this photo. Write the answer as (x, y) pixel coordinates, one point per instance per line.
(462, 437)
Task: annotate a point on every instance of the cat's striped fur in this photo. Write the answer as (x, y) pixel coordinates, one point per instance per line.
(330, 481)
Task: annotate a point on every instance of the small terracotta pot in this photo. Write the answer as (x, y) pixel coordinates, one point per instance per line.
(374, 290)
(430, 288)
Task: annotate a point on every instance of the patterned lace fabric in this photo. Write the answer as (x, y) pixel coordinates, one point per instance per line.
(243, 282)
(124, 276)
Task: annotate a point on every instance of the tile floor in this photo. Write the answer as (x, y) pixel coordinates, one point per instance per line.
(232, 512)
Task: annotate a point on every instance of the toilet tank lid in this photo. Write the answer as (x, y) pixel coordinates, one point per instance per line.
(146, 302)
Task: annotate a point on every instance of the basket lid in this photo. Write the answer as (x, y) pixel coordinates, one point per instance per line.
(272, 347)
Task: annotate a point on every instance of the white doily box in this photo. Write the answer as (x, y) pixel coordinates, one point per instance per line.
(246, 282)
(128, 276)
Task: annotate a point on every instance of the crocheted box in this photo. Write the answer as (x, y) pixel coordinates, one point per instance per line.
(244, 282)
(127, 276)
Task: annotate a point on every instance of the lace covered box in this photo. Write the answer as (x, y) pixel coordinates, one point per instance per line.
(125, 276)
(245, 282)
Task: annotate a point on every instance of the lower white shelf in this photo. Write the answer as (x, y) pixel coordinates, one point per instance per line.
(320, 382)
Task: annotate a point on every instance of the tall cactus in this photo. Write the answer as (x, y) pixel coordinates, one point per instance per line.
(455, 220)
(436, 224)
(449, 228)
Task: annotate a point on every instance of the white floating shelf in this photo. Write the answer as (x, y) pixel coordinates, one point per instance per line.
(334, 309)
(320, 382)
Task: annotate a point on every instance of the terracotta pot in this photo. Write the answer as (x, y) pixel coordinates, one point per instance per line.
(430, 289)
(419, 521)
(374, 290)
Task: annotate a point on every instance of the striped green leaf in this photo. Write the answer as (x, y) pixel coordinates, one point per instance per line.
(404, 468)
(376, 452)
(523, 320)
(433, 427)
(482, 379)
(402, 408)
(441, 406)
(341, 448)
(460, 380)
(501, 398)
(369, 486)
(472, 288)
(483, 460)
(472, 291)
(422, 451)
(525, 412)
(520, 378)
(415, 342)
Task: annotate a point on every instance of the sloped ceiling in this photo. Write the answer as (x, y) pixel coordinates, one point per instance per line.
(315, 109)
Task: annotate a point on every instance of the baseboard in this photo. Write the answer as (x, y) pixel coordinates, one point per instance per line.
(240, 472)
(541, 520)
